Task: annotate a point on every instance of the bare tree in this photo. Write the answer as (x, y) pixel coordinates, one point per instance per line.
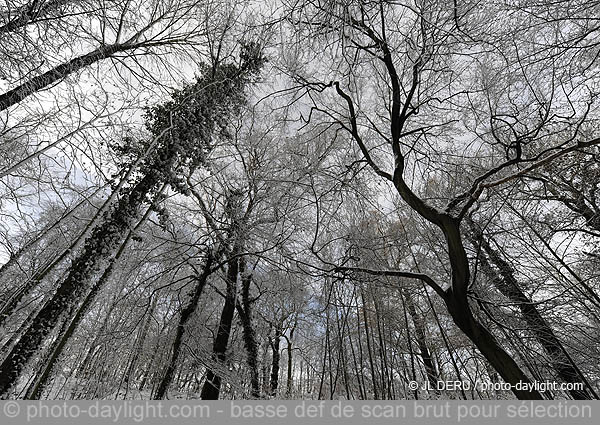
(416, 63)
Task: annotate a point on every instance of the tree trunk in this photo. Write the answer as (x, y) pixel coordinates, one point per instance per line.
(290, 376)
(9, 306)
(458, 306)
(369, 349)
(26, 247)
(56, 74)
(488, 346)
(265, 372)
(275, 362)
(13, 301)
(186, 314)
(212, 385)
(508, 286)
(245, 312)
(104, 239)
(430, 369)
(27, 14)
(36, 390)
(140, 340)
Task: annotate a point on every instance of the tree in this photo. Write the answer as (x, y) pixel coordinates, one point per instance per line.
(183, 130)
(404, 191)
(125, 27)
(508, 285)
(416, 63)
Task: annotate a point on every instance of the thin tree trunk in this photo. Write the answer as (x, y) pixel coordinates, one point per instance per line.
(360, 350)
(410, 349)
(146, 372)
(141, 339)
(430, 369)
(265, 371)
(275, 363)
(357, 371)
(370, 352)
(382, 350)
(186, 314)
(290, 376)
(342, 357)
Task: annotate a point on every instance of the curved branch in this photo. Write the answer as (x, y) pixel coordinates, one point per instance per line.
(398, 273)
(356, 136)
(475, 193)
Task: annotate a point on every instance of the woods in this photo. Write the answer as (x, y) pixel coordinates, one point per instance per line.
(317, 199)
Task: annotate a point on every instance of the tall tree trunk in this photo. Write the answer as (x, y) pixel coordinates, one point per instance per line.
(102, 242)
(507, 285)
(148, 367)
(81, 372)
(139, 345)
(104, 239)
(430, 369)
(290, 376)
(275, 362)
(10, 305)
(484, 340)
(29, 12)
(357, 371)
(16, 334)
(36, 390)
(447, 344)
(15, 298)
(382, 350)
(43, 370)
(456, 301)
(58, 73)
(184, 317)
(244, 309)
(369, 349)
(26, 247)
(265, 371)
(212, 385)
(491, 350)
(409, 344)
